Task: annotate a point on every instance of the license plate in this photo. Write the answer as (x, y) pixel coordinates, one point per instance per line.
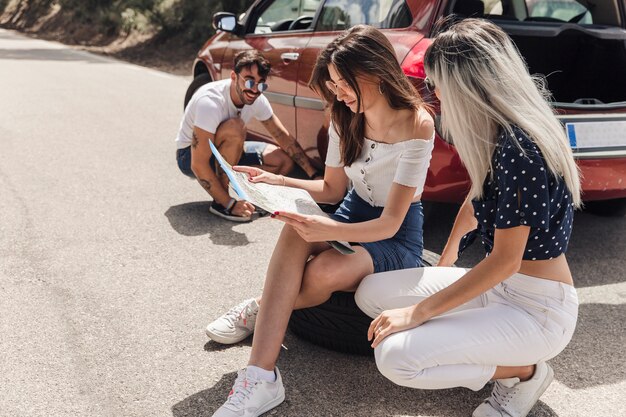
(600, 134)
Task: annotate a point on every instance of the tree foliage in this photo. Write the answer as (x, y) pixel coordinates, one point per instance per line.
(189, 18)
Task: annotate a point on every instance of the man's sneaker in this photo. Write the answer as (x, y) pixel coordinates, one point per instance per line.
(251, 397)
(512, 398)
(220, 210)
(236, 324)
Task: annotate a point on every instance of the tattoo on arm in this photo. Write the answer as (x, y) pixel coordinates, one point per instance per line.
(296, 153)
(205, 184)
(272, 128)
(289, 145)
(194, 141)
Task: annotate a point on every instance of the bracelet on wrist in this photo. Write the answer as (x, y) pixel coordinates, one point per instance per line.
(231, 203)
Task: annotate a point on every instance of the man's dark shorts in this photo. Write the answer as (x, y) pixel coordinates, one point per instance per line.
(252, 155)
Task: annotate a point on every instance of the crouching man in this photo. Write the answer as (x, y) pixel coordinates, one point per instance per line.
(218, 112)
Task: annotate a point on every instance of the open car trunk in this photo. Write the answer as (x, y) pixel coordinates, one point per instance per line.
(583, 65)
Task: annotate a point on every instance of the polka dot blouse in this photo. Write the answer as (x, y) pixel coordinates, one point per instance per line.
(523, 192)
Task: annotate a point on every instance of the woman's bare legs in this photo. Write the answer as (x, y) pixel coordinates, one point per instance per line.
(331, 271)
(291, 283)
(282, 284)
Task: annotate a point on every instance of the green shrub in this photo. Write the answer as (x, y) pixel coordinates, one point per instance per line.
(134, 19)
(188, 18)
(192, 18)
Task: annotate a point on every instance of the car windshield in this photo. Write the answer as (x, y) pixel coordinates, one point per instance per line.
(281, 14)
(383, 14)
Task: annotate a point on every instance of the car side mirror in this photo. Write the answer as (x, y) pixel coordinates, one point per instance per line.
(226, 22)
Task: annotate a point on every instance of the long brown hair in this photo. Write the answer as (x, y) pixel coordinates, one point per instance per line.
(361, 51)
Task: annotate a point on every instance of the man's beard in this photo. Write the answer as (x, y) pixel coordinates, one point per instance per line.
(245, 99)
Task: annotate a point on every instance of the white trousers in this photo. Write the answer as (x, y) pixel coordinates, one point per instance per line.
(521, 321)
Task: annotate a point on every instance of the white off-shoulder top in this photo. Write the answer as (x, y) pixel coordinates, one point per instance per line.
(380, 164)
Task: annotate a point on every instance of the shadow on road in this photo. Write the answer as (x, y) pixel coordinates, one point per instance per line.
(204, 403)
(322, 383)
(212, 346)
(594, 357)
(194, 219)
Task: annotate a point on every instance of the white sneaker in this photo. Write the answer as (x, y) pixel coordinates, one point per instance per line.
(236, 324)
(512, 398)
(251, 397)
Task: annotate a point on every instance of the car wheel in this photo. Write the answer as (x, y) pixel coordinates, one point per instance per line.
(339, 324)
(613, 208)
(197, 82)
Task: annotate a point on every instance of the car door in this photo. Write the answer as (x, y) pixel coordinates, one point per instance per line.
(279, 29)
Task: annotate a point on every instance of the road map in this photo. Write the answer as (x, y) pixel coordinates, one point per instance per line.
(272, 198)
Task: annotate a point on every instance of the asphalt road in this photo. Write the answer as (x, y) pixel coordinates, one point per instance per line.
(111, 266)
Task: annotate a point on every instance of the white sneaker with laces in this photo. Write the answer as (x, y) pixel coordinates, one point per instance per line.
(236, 324)
(251, 397)
(512, 398)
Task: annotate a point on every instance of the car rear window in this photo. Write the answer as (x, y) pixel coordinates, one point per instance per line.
(559, 10)
(583, 12)
(383, 14)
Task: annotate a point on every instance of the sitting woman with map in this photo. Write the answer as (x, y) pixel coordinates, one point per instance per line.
(380, 141)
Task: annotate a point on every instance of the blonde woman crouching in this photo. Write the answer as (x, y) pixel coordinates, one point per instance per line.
(445, 327)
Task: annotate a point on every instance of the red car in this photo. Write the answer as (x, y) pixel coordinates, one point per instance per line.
(580, 47)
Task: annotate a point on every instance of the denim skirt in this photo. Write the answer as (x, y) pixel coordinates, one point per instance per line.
(403, 250)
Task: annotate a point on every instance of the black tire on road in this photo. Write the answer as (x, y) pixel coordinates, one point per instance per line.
(338, 324)
(609, 208)
(197, 82)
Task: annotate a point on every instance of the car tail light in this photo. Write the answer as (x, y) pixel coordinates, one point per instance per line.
(446, 175)
(413, 64)
(413, 67)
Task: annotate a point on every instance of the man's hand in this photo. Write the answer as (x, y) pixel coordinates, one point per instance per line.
(259, 175)
(310, 228)
(242, 209)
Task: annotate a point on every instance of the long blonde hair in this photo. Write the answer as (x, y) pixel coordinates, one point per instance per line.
(484, 85)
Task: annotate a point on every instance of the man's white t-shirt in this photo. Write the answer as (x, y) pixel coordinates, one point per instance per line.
(211, 105)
